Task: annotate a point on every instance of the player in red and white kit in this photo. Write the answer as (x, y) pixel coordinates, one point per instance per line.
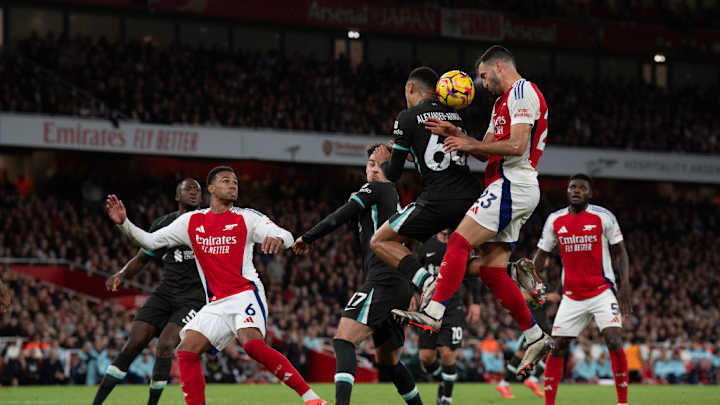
(512, 145)
(590, 244)
(222, 238)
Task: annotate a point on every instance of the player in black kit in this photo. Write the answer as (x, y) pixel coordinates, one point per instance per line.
(368, 310)
(450, 336)
(174, 302)
(449, 189)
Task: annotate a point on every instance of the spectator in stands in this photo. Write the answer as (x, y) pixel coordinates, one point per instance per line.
(52, 370)
(200, 87)
(584, 369)
(309, 292)
(492, 361)
(670, 369)
(603, 368)
(635, 361)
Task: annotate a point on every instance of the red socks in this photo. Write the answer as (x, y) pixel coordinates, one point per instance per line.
(509, 295)
(452, 270)
(620, 372)
(553, 375)
(554, 368)
(193, 381)
(278, 364)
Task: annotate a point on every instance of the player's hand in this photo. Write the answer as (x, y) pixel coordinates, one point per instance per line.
(114, 281)
(300, 247)
(380, 155)
(473, 314)
(462, 143)
(624, 301)
(115, 209)
(4, 297)
(443, 128)
(271, 245)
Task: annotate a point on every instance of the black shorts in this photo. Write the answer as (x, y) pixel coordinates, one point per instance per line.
(423, 219)
(371, 305)
(450, 333)
(162, 308)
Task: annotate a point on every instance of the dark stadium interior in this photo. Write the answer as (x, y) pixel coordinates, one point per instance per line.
(152, 64)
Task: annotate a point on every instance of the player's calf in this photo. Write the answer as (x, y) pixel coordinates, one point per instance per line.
(403, 381)
(613, 340)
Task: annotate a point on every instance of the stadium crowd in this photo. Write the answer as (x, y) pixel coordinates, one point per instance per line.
(190, 86)
(674, 326)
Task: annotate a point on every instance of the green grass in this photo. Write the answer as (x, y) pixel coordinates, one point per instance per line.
(365, 394)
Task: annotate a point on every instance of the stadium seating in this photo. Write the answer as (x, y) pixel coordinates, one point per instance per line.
(81, 77)
(305, 294)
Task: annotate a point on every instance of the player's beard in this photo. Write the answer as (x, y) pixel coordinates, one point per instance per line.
(494, 86)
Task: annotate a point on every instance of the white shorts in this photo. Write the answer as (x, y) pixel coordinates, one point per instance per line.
(573, 316)
(219, 321)
(504, 207)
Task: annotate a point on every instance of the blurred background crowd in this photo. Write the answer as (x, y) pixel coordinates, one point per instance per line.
(158, 65)
(674, 325)
(186, 85)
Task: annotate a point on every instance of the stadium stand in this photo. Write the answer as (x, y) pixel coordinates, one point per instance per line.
(305, 293)
(210, 87)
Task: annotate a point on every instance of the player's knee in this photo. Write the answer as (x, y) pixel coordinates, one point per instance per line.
(133, 346)
(447, 355)
(165, 349)
(614, 341)
(561, 348)
(428, 357)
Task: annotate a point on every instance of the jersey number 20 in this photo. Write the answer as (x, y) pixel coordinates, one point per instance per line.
(435, 149)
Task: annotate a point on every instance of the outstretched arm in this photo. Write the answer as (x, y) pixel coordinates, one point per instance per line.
(131, 268)
(174, 234)
(456, 139)
(267, 233)
(515, 145)
(330, 223)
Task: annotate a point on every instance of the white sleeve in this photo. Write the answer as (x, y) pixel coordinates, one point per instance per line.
(175, 234)
(548, 240)
(491, 127)
(523, 104)
(611, 229)
(260, 227)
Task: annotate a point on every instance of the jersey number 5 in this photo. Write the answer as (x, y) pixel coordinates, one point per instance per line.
(436, 159)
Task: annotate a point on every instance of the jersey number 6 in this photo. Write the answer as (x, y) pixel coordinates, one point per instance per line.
(435, 149)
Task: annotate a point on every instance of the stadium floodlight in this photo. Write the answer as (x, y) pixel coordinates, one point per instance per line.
(659, 58)
(353, 34)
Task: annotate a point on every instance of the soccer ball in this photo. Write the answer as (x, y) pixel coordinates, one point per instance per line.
(455, 89)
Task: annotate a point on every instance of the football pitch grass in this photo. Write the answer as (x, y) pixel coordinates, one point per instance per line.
(365, 394)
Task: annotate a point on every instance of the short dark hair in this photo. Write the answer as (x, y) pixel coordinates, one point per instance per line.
(371, 148)
(180, 184)
(215, 170)
(581, 176)
(495, 52)
(425, 76)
